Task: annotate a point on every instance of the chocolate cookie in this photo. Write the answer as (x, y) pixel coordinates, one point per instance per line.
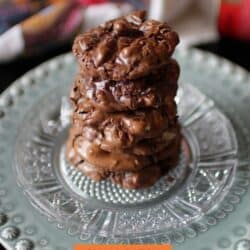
(142, 178)
(129, 47)
(138, 147)
(116, 161)
(125, 129)
(109, 96)
(147, 176)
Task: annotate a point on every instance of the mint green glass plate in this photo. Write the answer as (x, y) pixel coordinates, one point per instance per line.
(47, 204)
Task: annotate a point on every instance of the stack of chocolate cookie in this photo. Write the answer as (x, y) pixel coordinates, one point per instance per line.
(124, 124)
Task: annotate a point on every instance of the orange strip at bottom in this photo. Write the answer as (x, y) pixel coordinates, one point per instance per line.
(122, 247)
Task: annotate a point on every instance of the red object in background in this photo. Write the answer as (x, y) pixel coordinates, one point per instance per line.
(234, 19)
(89, 2)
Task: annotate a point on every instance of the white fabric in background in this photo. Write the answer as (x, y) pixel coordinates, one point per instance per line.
(97, 14)
(11, 44)
(194, 20)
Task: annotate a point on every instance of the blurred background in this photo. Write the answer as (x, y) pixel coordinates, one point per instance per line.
(33, 31)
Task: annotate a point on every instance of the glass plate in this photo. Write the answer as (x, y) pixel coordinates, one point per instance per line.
(202, 202)
(203, 177)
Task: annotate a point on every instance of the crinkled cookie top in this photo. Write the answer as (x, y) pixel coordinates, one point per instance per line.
(128, 47)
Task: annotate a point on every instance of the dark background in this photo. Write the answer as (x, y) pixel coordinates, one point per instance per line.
(236, 51)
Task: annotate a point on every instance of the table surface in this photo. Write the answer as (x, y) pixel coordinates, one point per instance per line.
(235, 51)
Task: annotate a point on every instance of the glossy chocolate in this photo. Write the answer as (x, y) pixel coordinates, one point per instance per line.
(129, 47)
(110, 96)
